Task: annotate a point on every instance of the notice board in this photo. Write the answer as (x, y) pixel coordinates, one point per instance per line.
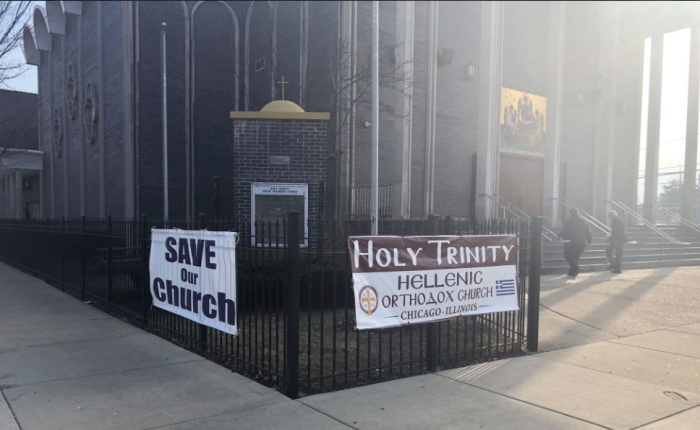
(270, 202)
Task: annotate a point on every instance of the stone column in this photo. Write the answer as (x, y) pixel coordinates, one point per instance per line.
(18, 196)
(101, 109)
(651, 174)
(129, 108)
(490, 81)
(4, 197)
(346, 118)
(11, 191)
(691, 134)
(555, 71)
(605, 130)
(401, 189)
(7, 195)
(7, 184)
(429, 179)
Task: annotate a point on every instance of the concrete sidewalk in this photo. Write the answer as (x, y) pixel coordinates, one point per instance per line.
(617, 351)
(66, 365)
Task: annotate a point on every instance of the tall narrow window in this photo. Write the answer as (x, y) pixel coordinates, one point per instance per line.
(672, 121)
(674, 115)
(644, 122)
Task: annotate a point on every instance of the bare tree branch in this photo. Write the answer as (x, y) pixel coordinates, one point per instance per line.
(13, 17)
(348, 73)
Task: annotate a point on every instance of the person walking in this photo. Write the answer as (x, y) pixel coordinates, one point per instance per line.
(578, 234)
(618, 237)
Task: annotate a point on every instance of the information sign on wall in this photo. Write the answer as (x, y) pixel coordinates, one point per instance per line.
(271, 202)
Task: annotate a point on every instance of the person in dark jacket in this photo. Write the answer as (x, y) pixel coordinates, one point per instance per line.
(578, 234)
(616, 243)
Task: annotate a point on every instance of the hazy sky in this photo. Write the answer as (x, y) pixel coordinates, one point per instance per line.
(27, 82)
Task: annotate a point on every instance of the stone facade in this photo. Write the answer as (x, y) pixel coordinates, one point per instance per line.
(439, 130)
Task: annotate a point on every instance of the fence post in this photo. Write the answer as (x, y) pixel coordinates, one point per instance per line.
(82, 258)
(291, 303)
(533, 290)
(47, 250)
(202, 337)
(431, 349)
(63, 254)
(110, 255)
(448, 225)
(145, 279)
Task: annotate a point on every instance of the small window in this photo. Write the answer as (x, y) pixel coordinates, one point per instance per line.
(259, 64)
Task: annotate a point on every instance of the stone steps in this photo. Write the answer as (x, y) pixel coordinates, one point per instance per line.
(646, 249)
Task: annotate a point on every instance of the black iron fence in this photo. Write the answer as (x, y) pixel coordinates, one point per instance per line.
(296, 314)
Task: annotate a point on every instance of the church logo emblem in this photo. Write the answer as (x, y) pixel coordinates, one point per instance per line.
(369, 300)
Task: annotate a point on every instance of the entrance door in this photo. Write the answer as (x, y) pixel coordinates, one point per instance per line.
(521, 182)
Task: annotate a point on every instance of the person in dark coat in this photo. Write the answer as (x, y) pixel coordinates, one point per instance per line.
(616, 243)
(578, 234)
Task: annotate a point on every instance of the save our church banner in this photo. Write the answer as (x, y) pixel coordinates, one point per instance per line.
(408, 280)
(193, 274)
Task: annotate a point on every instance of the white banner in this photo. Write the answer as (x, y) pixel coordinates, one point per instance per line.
(408, 280)
(193, 274)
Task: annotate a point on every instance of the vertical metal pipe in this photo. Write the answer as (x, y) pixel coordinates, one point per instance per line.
(47, 253)
(110, 264)
(63, 253)
(203, 336)
(165, 122)
(292, 306)
(533, 291)
(374, 153)
(433, 328)
(145, 276)
(82, 258)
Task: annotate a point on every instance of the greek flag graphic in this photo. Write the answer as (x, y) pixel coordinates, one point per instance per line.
(505, 287)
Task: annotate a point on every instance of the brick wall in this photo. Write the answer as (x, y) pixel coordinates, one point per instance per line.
(45, 112)
(58, 96)
(91, 73)
(73, 148)
(113, 101)
(288, 50)
(420, 108)
(456, 108)
(320, 92)
(214, 96)
(260, 61)
(150, 148)
(255, 141)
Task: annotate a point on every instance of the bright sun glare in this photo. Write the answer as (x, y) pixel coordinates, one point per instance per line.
(674, 102)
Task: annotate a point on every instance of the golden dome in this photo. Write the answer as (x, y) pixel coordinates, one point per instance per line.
(281, 106)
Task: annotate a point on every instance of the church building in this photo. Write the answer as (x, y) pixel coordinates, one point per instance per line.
(484, 106)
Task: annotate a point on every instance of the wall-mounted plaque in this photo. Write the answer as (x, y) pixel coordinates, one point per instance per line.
(270, 203)
(279, 159)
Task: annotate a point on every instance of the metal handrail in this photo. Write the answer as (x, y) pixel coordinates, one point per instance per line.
(682, 220)
(520, 214)
(585, 215)
(648, 224)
